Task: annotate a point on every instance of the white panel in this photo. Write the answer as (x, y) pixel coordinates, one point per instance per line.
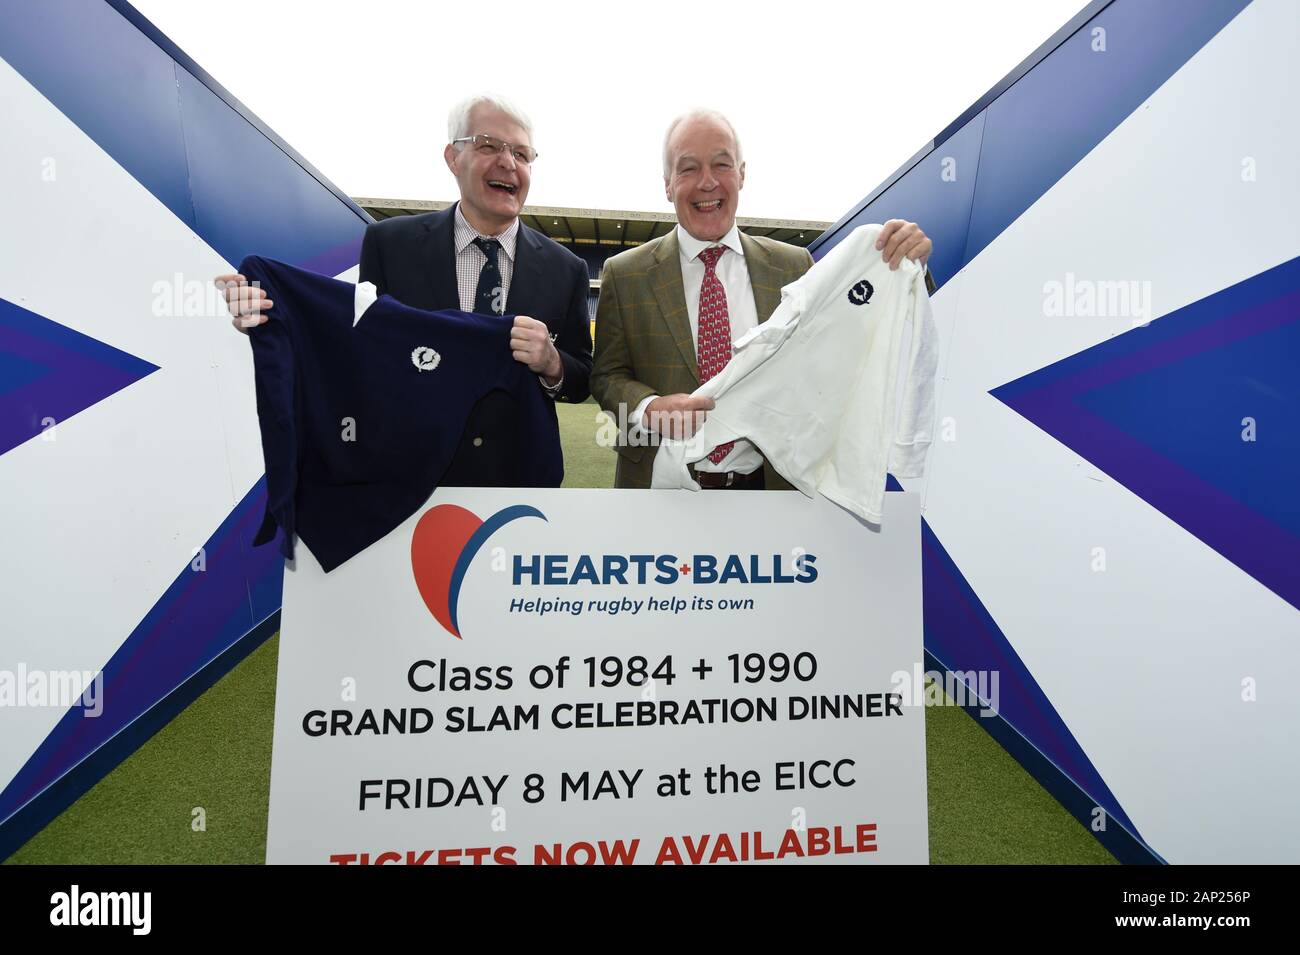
(99, 521)
(1143, 661)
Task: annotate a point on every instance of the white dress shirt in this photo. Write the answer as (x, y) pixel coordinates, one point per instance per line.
(732, 272)
(742, 315)
(470, 259)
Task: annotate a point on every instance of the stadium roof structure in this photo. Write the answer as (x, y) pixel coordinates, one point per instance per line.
(612, 228)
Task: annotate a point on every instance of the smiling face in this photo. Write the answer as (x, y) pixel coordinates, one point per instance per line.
(492, 188)
(704, 177)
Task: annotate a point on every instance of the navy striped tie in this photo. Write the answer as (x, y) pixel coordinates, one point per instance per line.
(488, 299)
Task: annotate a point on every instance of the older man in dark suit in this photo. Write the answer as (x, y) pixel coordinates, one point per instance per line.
(477, 256)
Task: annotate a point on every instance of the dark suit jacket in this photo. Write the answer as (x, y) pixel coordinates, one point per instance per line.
(413, 259)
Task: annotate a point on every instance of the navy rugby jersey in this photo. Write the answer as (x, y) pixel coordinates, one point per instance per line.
(361, 414)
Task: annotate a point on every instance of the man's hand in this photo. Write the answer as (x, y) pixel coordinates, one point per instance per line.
(899, 239)
(530, 343)
(676, 416)
(245, 302)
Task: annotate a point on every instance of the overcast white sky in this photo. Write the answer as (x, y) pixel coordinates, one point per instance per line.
(828, 97)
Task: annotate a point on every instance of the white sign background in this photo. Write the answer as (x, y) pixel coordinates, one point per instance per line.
(367, 622)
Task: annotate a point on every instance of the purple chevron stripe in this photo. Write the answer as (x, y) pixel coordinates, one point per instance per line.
(961, 632)
(199, 616)
(51, 371)
(337, 259)
(1265, 317)
(1053, 400)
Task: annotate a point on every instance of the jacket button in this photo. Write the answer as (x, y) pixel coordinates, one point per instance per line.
(478, 442)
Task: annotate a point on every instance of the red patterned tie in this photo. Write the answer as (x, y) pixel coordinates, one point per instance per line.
(713, 347)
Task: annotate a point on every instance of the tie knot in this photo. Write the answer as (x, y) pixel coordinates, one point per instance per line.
(711, 255)
(488, 246)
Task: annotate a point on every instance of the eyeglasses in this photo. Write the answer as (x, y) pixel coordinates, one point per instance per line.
(491, 146)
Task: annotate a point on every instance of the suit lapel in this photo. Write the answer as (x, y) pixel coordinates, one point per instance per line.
(438, 257)
(764, 277)
(526, 279)
(666, 282)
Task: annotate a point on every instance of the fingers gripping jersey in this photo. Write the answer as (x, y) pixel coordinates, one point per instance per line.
(836, 388)
(361, 414)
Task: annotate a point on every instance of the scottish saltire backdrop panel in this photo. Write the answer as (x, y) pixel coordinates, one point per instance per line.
(1112, 519)
(130, 464)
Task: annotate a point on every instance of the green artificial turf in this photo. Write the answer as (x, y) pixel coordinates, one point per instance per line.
(586, 464)
(985, 808)
(216, 756)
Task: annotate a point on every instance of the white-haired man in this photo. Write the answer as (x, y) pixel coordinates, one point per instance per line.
(656, 343)
(478, 257)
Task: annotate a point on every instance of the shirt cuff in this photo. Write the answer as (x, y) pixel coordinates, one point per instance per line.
(638, 416)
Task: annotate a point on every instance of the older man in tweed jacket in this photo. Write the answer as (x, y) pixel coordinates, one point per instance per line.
(691, 293)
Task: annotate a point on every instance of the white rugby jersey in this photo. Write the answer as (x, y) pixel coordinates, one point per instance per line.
(836, 388)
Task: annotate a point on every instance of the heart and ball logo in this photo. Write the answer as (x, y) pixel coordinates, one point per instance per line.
(443, 546)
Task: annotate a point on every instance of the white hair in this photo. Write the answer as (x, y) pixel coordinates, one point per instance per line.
(712, 114)
(459, 117)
